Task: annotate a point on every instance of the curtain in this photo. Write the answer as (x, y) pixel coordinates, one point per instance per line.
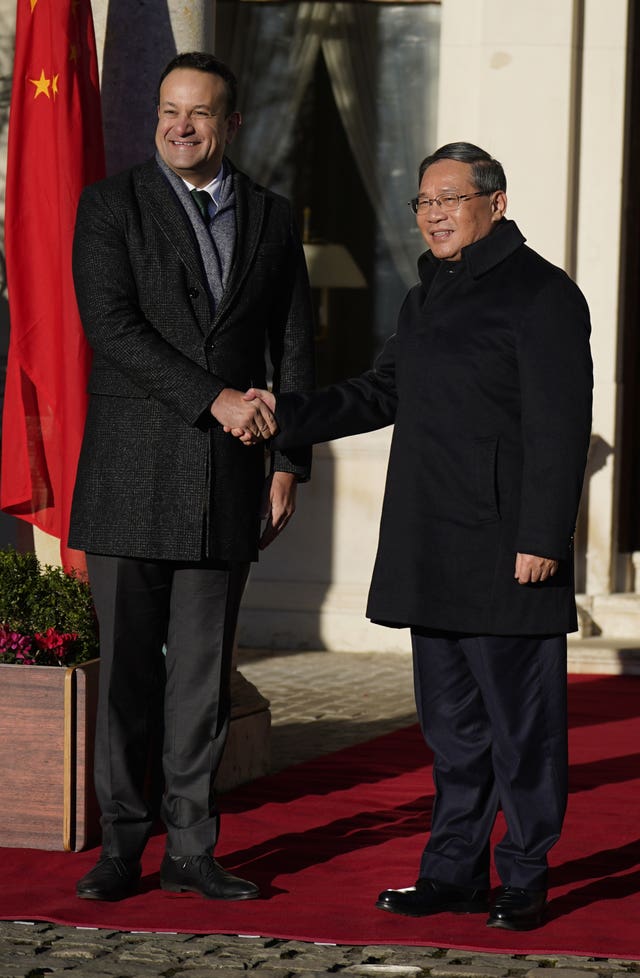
(273, 50)
(383, 65)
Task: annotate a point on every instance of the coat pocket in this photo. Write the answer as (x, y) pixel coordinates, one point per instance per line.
(485, 459)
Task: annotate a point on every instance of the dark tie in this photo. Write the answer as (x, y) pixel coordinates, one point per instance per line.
(202, 199)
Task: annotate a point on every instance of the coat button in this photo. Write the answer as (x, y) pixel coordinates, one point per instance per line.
(193, 293)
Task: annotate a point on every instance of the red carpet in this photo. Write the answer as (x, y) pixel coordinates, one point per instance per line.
(324, 837)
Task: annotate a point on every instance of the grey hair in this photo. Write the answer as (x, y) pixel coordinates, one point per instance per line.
(486, 173)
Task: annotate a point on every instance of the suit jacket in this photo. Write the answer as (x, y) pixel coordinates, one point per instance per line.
(157, 477)
(488, 380)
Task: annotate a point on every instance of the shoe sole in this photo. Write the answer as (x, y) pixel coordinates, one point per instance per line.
(461, 908)
(179, 888)
(87, 895)
(512, 925)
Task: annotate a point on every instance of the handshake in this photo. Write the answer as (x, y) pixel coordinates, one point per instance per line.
(249, 416)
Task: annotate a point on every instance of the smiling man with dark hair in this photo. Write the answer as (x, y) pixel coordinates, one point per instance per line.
(186, 272)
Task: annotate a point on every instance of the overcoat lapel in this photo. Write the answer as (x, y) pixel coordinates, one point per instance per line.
(249, 221)
(156, 196)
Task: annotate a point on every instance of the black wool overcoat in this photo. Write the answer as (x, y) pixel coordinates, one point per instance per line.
(157, 476)
(488, 380)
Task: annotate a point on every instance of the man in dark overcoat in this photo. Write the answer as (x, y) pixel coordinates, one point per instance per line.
(185, 272)
(488, 380)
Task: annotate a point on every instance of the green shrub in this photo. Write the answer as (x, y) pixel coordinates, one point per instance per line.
(46, 615)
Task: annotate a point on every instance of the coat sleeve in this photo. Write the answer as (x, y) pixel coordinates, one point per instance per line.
(291, 348)
(114, 323)
(556, 380)
(351, 407)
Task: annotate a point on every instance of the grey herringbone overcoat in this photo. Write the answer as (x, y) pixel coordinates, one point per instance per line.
(157, 476)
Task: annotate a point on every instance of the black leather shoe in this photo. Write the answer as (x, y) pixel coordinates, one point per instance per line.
(112, 878)
(517, 909)
(433, 896)
(202, 874)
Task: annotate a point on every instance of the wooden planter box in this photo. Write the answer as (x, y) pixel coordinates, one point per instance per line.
(47, 727)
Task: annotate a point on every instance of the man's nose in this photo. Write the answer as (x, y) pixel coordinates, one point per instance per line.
(183, 123)
(435, 213)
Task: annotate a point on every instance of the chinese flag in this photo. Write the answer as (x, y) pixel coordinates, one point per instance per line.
(55, 148)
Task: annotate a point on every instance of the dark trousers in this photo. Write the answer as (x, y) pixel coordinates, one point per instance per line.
(494, 711)
(191, 609)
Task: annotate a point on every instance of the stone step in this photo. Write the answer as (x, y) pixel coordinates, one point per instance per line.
(604, 654)
(616, 614)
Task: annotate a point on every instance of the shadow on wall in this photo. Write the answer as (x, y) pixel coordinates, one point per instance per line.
(138, 44)
(288, 586)
(599, 452)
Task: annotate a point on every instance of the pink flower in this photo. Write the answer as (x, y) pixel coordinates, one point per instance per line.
(24, 659)
(14, 646)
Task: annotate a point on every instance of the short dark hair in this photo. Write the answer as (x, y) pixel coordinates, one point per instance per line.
(201, 61)
(487, 174)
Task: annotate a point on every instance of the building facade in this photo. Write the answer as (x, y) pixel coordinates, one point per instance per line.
(550, 87)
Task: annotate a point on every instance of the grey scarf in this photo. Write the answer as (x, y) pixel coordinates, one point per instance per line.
(217, 241)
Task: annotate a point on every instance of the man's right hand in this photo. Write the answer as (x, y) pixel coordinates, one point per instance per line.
(268, 401)
(249, 418)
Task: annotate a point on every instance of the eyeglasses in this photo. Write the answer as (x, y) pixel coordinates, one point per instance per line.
(446, 202)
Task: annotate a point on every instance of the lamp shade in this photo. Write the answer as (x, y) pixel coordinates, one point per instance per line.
(332, 267)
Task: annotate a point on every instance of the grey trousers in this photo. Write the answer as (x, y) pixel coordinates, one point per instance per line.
(166, 642)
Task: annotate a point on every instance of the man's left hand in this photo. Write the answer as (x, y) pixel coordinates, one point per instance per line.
(279, 505)
(531, 569)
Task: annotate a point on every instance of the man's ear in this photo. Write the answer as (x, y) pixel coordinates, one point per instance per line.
(498, 205)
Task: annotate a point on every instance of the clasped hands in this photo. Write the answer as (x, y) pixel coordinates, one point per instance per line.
(248, 417)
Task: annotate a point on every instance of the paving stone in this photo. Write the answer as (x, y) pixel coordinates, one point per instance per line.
(149, 953)
(563, 960)
(41, 964)
(10, 927)
(89, 972)
(20, 951)
(80, 934)
(210, 971)
(16, 969)
(403, 952)
(575, 972)
(107, 968)
(73, 949)
(300, 965)
(384, 970)
(312, 954)
(445, 969)
(480, 957)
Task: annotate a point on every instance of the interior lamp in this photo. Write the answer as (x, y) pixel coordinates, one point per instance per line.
(330, 266)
